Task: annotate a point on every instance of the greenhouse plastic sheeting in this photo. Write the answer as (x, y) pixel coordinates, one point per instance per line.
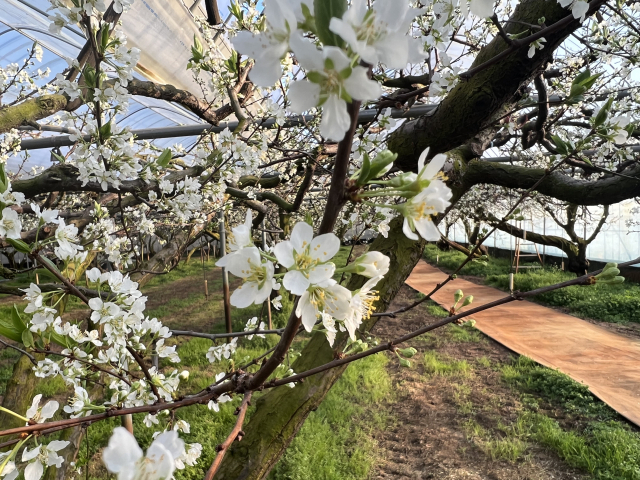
(163, 31)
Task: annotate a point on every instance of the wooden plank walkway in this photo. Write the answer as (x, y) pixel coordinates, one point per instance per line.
(608, 363)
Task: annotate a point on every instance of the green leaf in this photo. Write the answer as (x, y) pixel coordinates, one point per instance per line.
(164, 158)
(49, 263)
(58, 157)
(19, 245)
(27, 338)
(4, 181)
(105, 131)
(582, 76)
(60, 340)
(324, 11)
(408, 352)
(364, 171)
(602, 115)
(18, 324)
(560, 145)
(8, 330)
(405, 363)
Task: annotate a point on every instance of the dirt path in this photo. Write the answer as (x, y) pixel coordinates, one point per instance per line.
(606, 362)
(439, 414)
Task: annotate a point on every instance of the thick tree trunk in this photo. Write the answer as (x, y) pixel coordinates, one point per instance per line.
(281, 412)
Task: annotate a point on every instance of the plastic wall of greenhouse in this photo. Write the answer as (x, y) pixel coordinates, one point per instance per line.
(617, 242)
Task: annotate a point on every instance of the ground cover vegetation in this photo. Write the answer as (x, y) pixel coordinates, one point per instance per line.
(608, 303)
(407, 100)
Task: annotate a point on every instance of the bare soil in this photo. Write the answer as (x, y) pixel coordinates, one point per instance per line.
(430, 438)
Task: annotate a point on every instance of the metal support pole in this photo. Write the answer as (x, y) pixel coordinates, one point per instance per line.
(225, 275)
(544, 247)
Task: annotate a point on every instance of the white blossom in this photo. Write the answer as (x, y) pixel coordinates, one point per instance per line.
(124, 457)
(306, 257)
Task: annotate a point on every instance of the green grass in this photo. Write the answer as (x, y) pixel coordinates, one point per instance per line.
(335, 441)
(600, 443)
(609, 303)
(607, 450)
(556, 387)
(437, 364)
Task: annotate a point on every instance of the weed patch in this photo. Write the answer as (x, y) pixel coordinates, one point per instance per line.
(437, 364)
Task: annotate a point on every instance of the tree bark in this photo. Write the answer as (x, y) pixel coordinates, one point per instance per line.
(472, 105)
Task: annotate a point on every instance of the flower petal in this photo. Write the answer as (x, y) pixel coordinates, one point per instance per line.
(321, 273)
(434, 166)
(307, 54)
(335, 119)
(244, 295)
(360, 87)
(284, 253)
(295, 282)
(123, 451)
(301, 236)
(406, 229)
(324, 247)
(33, 471)
(482, 8)
(303, 96)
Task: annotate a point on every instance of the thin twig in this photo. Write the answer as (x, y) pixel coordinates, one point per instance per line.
(72, 288)
(236, 434)
(145, 370)
(31, 357)
(214, 336)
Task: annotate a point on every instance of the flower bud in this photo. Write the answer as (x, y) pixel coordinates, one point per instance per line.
(405, 363)
(467, 300)
(458, 295)
(403, 179)
(408, 352)
(381, 164)
(184, 375)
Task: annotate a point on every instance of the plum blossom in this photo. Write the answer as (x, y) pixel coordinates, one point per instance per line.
(40, 415)
(482, 8)
(67, 235)
(372, 264)
(433, 198)
(258, 277)
(124, 457)
(327, 297)
(269, 47)
(222, 351)
(252, 324)
(538, 44)
(40, 456)
(619, 123)
(10, 224)
(330, 83)
(380, 34)
(239, 238)
(306, 257)
(190, 457)
(330, 328)
(78, 403)
(361, 306)
(9, 472)
(579, 8)
(45, 216)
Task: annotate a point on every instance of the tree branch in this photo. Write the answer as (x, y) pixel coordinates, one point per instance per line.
(236, 434)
